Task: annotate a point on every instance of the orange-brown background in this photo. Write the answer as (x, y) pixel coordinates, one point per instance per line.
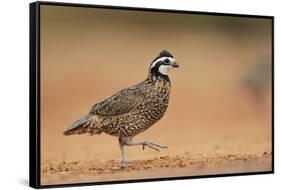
(87, 54)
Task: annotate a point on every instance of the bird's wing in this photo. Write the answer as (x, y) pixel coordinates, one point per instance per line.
(122, 102)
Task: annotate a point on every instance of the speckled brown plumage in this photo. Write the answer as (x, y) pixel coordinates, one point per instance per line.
(131, 110)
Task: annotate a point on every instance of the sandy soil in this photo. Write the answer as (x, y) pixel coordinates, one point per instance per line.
(158, 167)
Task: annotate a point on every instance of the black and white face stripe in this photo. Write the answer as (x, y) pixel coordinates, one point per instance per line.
(163, 61)
(162, 65)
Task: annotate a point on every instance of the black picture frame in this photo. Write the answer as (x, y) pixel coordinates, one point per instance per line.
(34, 97)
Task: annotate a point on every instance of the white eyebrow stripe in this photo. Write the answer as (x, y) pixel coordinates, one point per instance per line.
(161, 59)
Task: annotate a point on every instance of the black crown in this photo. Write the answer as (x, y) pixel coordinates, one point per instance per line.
(165, 53)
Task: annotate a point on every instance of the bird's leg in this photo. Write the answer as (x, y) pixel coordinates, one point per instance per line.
(128, 142)
(149, 144)
(124, 160)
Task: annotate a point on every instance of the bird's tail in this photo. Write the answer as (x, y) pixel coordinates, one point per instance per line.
(78, 126)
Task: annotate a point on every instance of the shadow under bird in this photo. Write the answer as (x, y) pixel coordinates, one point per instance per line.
(131, 110)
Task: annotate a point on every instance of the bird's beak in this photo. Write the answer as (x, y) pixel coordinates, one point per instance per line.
(175, 65)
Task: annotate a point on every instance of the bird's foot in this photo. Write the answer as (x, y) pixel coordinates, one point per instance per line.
(124, 162)
(152, 145)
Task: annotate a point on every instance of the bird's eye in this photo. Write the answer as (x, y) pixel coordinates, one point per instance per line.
(166, 60)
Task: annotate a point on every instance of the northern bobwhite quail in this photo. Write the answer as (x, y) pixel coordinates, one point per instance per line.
(133, 109)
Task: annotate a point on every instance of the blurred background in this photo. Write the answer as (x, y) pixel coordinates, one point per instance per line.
(221, 94)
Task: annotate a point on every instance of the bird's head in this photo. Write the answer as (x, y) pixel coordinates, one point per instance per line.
(161, 65)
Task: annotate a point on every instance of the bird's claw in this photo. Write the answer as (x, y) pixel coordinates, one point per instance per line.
(152, 146)
(124, 162)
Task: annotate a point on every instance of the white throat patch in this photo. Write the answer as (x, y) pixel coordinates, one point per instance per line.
(164, 69)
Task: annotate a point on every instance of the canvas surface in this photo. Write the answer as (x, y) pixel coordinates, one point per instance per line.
(216, 122)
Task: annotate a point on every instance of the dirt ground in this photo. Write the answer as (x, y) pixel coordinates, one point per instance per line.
(216, 122)
(159, 167)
